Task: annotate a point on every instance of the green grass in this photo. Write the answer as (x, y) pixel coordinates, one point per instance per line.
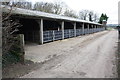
(110, 28)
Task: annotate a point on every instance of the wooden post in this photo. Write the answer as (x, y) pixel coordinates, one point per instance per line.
(22, 52)
(69, 33)
(75, 29)
(41, 30)
(92, 29)
(98, 28)
(62, 25)
(53, 35)
(95, 27)
(83, 28)
(88, 28)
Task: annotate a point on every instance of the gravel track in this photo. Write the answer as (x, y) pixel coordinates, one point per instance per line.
(89, 56)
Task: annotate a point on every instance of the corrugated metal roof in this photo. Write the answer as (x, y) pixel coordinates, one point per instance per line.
(40, 14)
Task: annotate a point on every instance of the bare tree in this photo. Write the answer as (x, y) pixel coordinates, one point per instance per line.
(20, 4)
(96, 18)
(9, 27)
(58, 7)
(70, 13)
(83, 14)
(55, 8)
(25, 5)
(38, 6)
(88, 15)
(44, 7)
(5, 3)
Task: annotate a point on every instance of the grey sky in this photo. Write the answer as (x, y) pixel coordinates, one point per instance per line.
(110, 7)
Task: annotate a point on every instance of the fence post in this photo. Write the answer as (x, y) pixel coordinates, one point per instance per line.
(75, 29)
(53, 35)
(62, 25)
(92, 29)
(83, 29)
(69, 33)
(88, 29)
(95, 27)
(40, 22)
(80, 30)
(21, 37)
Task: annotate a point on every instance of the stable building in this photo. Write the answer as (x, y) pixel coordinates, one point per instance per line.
(40, 27)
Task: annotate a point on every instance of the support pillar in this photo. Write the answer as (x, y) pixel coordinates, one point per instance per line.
(53, 35)
(92, 29)
(95, 27)
(41, 30)
(83, 28)
(75, 29)
(98, 28)
(69, 33)
(62, 25)
(88, 28)
(103, 27)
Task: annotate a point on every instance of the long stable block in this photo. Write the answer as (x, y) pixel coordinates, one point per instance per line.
(41, 27)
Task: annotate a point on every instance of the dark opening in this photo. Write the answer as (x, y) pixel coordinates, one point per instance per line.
(78, 25)
(52, 30)
(30, 29)
(90, 26)
(85, 26)
(68, 25)
(51, 25)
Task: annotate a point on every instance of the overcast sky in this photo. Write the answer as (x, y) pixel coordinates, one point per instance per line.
(110, 7)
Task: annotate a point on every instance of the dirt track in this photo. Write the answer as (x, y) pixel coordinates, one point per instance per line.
(89, 56)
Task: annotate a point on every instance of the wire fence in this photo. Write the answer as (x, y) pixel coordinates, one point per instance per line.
(79, 32)
(52, 35)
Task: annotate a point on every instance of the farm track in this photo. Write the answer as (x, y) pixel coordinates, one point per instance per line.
(89, 56)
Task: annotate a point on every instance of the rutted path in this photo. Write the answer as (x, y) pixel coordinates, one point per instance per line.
(89, 56)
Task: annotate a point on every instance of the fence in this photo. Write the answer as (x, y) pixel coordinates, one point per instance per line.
(79, 32)
(68, 33)
(52, 35)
